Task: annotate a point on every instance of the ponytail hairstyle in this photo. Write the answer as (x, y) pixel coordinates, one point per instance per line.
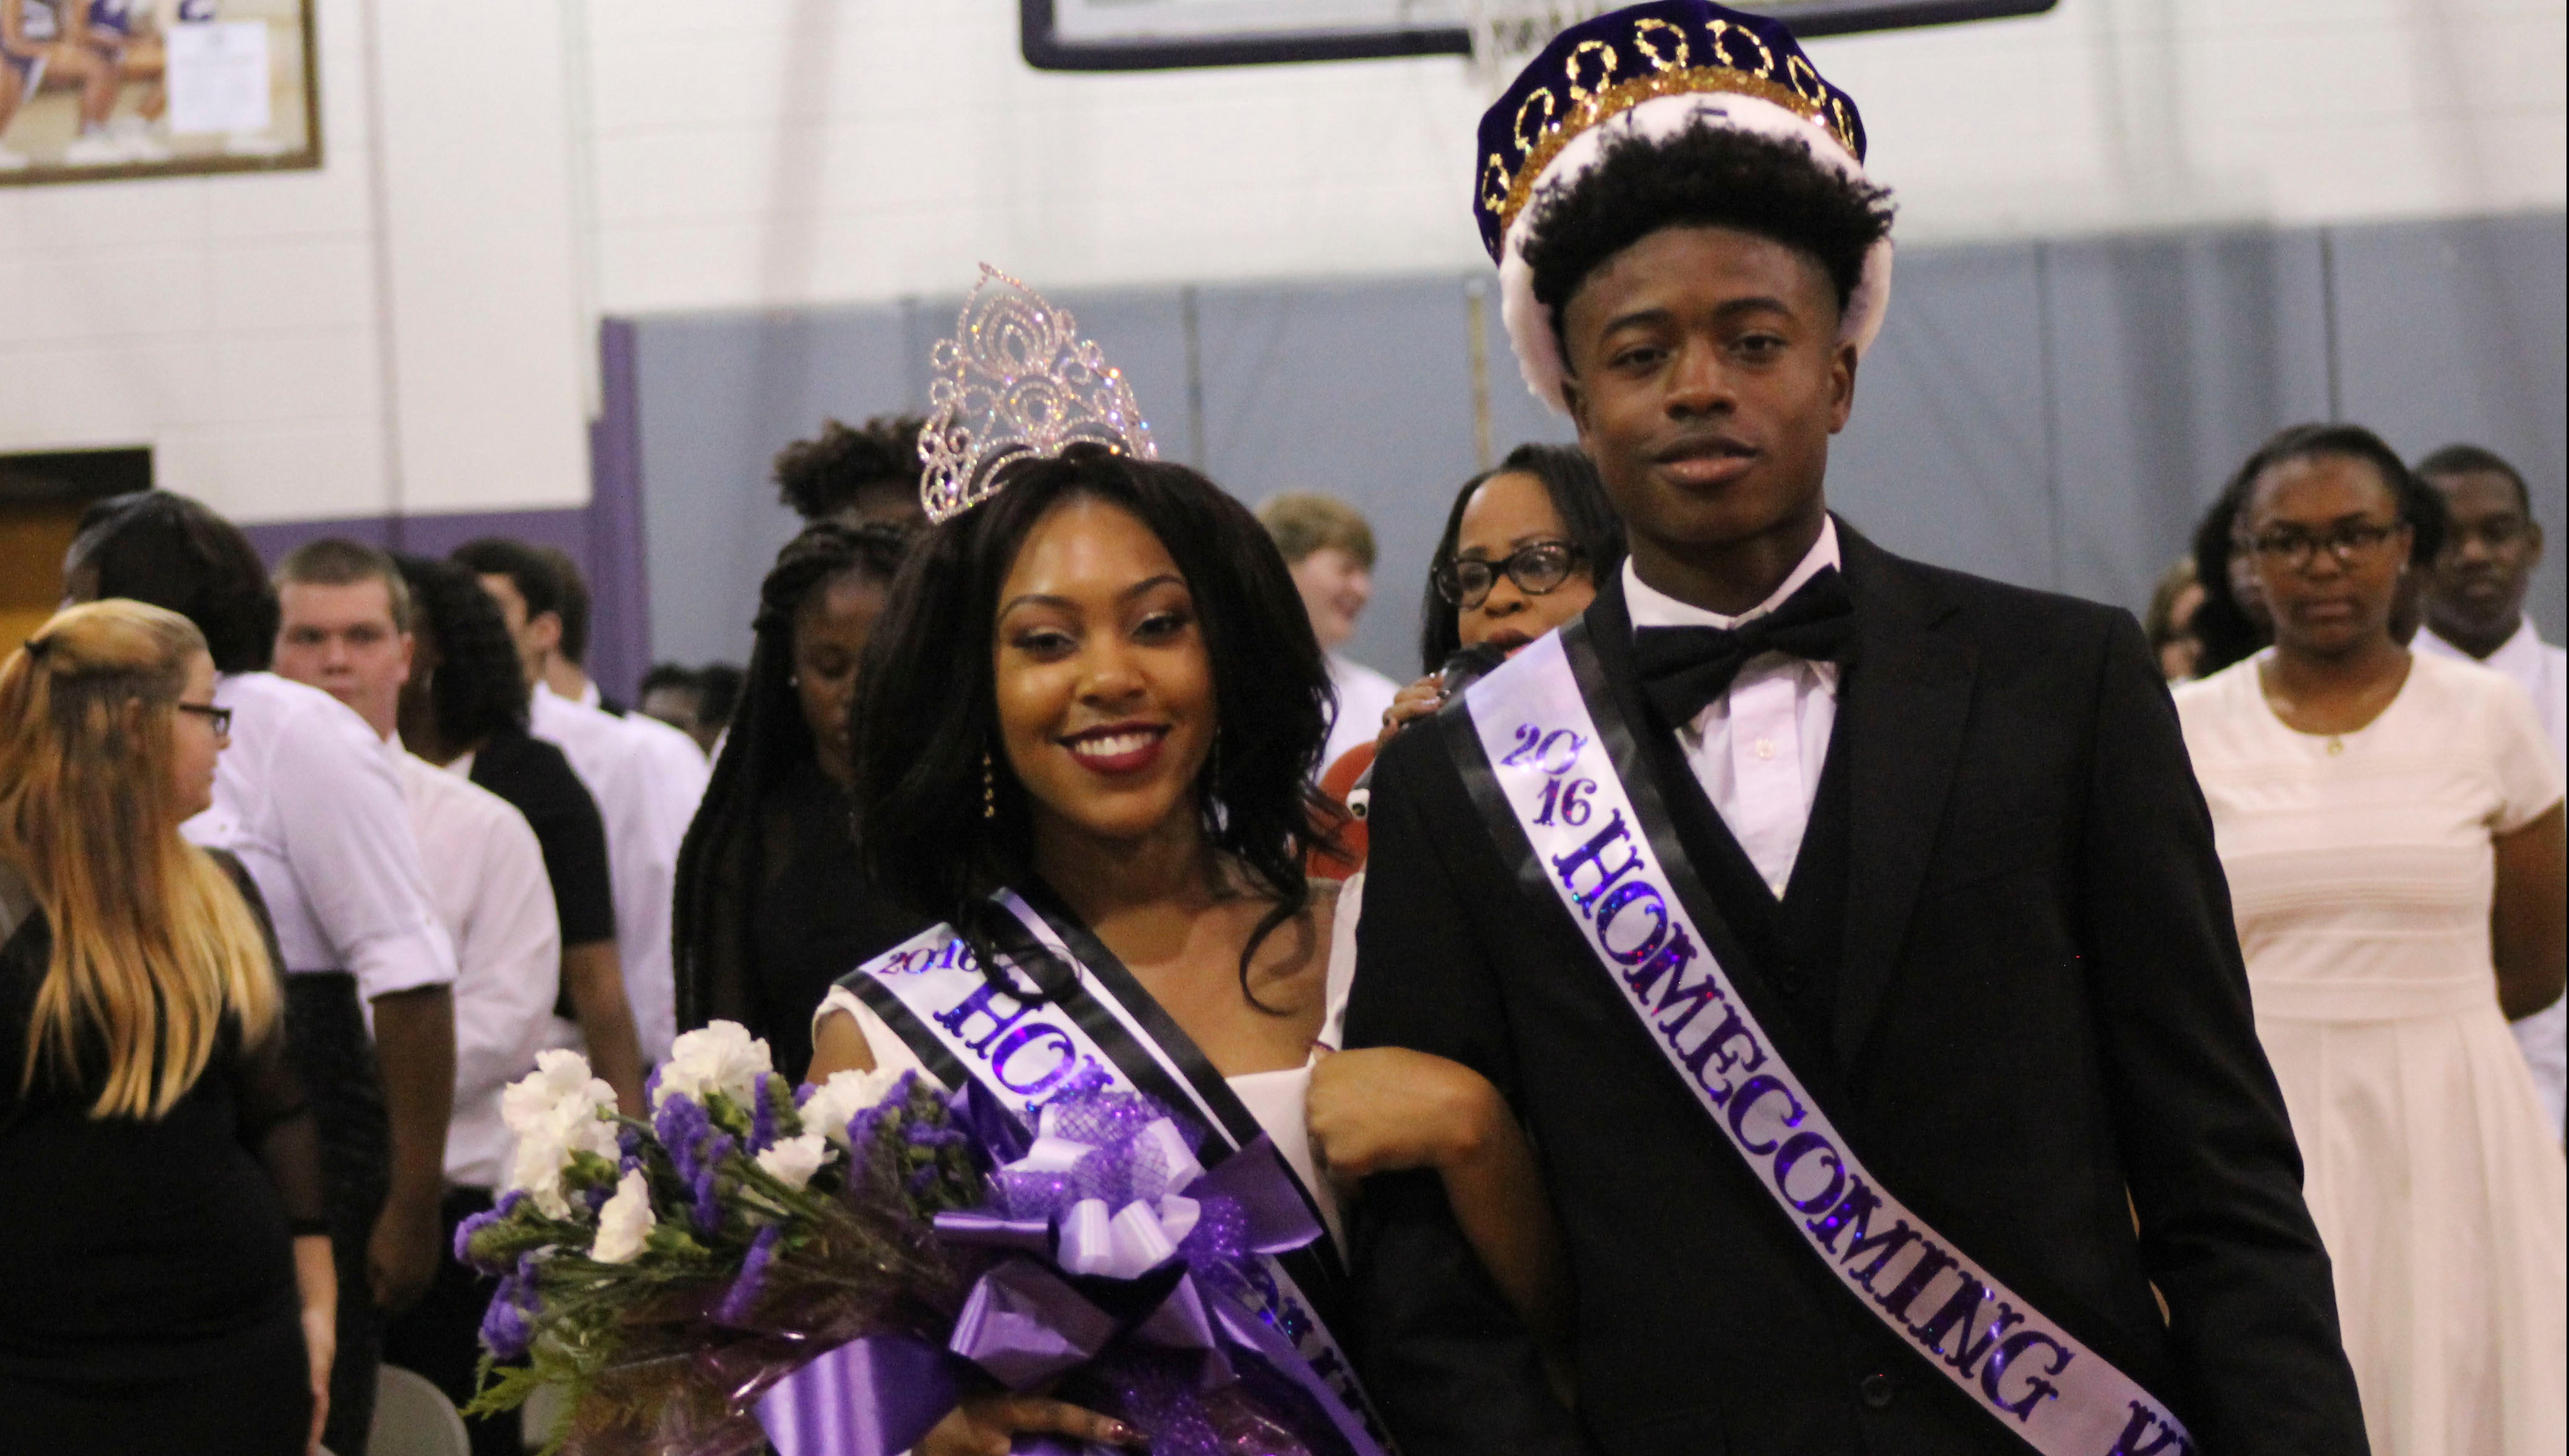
(767, 739)
(153, 945)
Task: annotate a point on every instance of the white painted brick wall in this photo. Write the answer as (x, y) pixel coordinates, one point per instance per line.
(793, 150)
(784, 152)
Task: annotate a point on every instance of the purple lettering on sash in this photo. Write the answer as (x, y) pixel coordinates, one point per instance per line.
(1795, 1149)
(1008, 1047)
(1891, 1242)
(1731, 1031)
(1087, 1076)
(2146, 1423)
(1932, 1261)
(1968, 1351)
(983, 1004)
(1623, 897)
(2037, 1388)
(1590, 856)
(1671, 960)
(1752, 1092)
(1854, 1211)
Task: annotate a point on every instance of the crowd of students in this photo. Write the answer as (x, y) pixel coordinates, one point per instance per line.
(467, 855)
(2181, 1011)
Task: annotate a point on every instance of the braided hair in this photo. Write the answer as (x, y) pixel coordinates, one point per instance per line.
(768, 738)
(478, 686)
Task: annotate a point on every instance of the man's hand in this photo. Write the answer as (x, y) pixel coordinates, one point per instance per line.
(415, 1046)
(401, 1256)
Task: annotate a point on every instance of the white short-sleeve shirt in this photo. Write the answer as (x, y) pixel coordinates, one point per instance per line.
(485, 874)
(307, 800)
(647, 779)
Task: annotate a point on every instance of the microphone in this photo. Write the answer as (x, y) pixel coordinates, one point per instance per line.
(1467, 666)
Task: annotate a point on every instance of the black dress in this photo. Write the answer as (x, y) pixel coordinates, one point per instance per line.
(149, 1266)
(814, 915)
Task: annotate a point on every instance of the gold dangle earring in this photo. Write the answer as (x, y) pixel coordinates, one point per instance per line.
(989, 789)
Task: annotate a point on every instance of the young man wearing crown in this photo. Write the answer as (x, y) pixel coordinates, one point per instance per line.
(1848, 931)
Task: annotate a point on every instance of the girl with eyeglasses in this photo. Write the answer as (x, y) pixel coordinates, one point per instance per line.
(161, 1237)
(2392, 829)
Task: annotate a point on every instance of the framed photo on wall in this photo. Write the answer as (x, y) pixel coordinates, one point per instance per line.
(108, 89)
(1150, 35)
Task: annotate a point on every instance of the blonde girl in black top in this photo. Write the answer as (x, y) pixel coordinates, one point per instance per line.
(160, 1236)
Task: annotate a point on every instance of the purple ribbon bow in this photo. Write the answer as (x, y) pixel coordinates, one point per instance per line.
(1029, 1320)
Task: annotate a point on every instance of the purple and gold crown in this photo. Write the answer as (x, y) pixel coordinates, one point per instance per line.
(1649, 72)
(1599, 69)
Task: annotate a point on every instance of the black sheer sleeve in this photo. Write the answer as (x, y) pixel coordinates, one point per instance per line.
(275, 1120)
(276, 1126)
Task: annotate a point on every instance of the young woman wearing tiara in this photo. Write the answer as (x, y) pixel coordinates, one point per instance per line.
(1086, 728)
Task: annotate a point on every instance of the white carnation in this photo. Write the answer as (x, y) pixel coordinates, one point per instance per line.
(722, 1057)
(836, 1101)
(557, 1111)
(624, 1223)
(560, 1076)
(794, 1161)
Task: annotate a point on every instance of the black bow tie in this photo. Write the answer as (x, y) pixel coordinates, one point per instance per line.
(1684, 668)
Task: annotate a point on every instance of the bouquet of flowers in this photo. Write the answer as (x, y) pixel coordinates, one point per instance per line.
(667, 1274)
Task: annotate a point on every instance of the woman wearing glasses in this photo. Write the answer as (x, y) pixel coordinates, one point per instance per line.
(2391, 826)
(1522, 550)
(161, 1242)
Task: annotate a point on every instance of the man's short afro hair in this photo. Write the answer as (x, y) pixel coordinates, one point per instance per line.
(1703, 176)
(828, 473)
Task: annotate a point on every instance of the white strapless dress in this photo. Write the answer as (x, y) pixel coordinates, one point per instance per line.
(1275, 1098)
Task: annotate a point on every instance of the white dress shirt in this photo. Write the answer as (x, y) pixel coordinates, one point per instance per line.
(647, 777)
(2542, 670)
(1364, 695)
(485, 874)
(1758, 748)
(305, 797)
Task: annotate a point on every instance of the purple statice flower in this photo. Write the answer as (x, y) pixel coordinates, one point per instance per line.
(628, 1144)
(930, 1135)
(465, 1231)
(762, 1114)
(708, 1207)
(680, 1124)
(753, 1273)
(508, 1328)
(862, 1128)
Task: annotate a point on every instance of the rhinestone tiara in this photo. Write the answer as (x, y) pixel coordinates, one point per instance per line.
(1017, 382)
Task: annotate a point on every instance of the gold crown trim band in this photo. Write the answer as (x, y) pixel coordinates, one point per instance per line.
(1595, 107)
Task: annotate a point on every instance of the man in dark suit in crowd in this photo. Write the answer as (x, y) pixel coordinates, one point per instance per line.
(1893, 894)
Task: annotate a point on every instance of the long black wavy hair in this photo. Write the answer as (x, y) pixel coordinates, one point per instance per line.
(926, 712)
(479, 686)
(767, 736)
(1578, 497)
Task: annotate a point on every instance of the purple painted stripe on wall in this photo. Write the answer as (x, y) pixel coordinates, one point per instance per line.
(605, 537)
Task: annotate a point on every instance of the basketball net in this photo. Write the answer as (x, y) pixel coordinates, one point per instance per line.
(1507, 33)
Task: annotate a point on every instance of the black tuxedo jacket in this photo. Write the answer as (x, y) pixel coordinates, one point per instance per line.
(2040, 1039)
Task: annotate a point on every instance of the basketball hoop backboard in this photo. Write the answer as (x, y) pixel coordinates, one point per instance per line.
(1151, 35)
